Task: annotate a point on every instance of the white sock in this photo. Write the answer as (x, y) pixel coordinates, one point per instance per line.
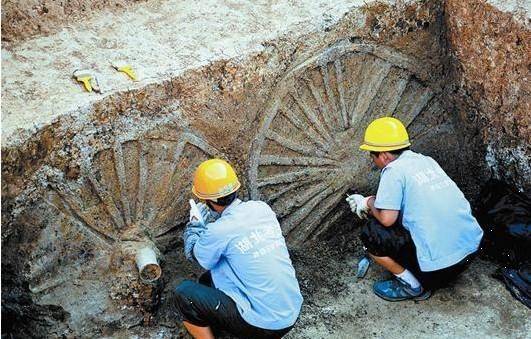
(409, 278)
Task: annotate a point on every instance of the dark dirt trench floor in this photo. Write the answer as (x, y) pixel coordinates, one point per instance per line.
(338, 306)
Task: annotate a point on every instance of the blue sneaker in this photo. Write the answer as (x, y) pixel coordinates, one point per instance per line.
(397, 290)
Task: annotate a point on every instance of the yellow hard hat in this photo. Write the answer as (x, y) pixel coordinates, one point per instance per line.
(385, 134)
(214, 179)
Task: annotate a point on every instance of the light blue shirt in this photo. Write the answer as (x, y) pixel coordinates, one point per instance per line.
(247, 256)
(432, 208)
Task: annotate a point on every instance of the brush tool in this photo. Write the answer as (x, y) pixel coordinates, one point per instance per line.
(363, 267)
(124, 67)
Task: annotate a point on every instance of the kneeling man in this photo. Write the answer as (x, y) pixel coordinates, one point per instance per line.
(250, 288)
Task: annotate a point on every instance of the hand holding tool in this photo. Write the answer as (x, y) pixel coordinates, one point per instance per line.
(195, 213)
(358, 205)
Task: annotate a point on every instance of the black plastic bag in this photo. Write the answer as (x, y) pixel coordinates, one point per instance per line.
(518, 282)
(505, 216)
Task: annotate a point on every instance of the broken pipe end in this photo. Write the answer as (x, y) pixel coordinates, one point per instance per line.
(148, 266)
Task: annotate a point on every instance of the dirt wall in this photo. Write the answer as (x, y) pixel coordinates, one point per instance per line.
(490, 48)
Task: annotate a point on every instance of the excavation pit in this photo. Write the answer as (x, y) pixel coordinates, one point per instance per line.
(285, 98)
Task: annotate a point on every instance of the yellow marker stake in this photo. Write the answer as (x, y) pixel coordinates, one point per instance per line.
(129, 71)
(85, 77)
(86, 83)
(121, 66)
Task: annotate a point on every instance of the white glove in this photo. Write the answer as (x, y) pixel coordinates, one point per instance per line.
(201, 213)
(195, 212)
(359, 205)
(205, 212)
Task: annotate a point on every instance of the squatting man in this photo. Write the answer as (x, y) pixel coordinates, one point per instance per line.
(421, 227)
(249, 288)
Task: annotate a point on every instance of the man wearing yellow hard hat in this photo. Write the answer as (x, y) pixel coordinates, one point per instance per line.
(250, 288)
(421, 227)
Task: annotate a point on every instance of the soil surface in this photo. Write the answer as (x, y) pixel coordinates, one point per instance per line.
(337, 306)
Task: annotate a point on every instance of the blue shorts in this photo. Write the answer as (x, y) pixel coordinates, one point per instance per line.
(201, 304)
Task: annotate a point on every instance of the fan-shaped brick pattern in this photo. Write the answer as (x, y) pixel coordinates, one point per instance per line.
(305, 157)
(134, 184)
(131, 193)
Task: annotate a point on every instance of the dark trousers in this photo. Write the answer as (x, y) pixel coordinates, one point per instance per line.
(201, 304)
(395, 242)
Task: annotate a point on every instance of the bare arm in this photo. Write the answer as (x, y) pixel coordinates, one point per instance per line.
(385, 217)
